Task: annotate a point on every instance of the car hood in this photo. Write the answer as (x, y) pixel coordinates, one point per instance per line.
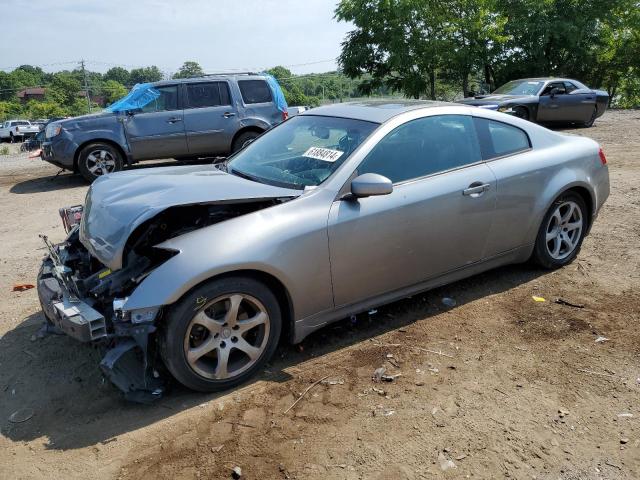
(118, 203)
(493, 99)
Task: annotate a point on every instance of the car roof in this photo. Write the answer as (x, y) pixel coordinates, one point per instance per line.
(212, 78)
(378, 111)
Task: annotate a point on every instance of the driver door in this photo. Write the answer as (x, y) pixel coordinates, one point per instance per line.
(437, 218)
(556, 108)
(157, 130)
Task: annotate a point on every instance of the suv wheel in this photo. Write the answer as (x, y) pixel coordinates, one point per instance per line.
(243, 140)
(221, 334)
(561, 233)
(98, 159)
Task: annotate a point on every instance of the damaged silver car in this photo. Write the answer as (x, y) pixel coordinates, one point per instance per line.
(198, 271)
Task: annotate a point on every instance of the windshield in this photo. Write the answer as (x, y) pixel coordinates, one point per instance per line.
(520, 87)
(301, 152)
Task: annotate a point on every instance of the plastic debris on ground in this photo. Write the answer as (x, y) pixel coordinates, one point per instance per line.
(21, 287)
(602, 339)
(538, 299)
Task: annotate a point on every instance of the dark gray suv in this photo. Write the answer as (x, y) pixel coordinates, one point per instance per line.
(187, 118)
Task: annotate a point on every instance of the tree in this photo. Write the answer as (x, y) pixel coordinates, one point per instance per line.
(189, 69)
(64, 89)
(113, 91)
(145, 75)
(118, 74)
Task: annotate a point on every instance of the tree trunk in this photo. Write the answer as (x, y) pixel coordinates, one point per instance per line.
(487, 77)
(465, 85)
(432, 84)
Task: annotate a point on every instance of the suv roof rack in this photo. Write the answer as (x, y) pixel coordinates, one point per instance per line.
(229, 73)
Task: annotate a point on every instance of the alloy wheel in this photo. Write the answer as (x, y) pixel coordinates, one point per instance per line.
(100, 162)
(226, 336)
(564, 230)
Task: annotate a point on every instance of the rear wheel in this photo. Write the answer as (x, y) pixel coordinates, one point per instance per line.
(98, 159)
(243, 140)
(221, 334)
(562, 231)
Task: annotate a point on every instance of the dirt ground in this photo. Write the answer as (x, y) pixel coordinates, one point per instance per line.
(499, 386)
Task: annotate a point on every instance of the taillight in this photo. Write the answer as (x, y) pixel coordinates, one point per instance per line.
(603, 159)
(285, 115)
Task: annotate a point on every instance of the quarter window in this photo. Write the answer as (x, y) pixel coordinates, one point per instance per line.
(423, 147)
(213, 94)
(168, 100)
(498, 139)
(255, 91)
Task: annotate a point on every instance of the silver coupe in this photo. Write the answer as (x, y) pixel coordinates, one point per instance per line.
(198, 271)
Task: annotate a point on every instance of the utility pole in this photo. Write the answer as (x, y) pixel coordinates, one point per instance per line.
(86, 87)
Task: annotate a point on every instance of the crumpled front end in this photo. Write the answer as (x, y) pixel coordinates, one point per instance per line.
(79, 299)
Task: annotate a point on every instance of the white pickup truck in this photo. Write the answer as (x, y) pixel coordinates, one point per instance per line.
(17, 130)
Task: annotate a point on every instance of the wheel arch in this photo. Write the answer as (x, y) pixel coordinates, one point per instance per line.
(76, 155)
(248, 128)
(273, 283)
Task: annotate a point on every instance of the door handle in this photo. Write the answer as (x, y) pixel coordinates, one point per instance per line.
(228, 114)
(174, 120)
(476, 189)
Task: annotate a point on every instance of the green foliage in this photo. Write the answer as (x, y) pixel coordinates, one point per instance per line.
(411, 45)
(113, 90)
(4, 150)
(35, 109)
(189, 69)
(145, 74)
(118, 74)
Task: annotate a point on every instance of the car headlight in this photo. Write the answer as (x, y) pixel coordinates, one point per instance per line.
(504, 108)
(52, 130)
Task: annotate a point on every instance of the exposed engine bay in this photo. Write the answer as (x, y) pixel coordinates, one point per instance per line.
(82, 297)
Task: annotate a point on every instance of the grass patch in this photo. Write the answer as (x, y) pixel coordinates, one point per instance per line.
(4, 150)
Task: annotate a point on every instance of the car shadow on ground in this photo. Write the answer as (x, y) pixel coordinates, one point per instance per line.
(65, 180)
(58, 380)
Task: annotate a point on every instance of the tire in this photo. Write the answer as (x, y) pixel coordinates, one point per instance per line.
(562, 231)
(12, 138)
(243, 140)
(201, 327)
(521, 112)
(97, 159)
(592, 120)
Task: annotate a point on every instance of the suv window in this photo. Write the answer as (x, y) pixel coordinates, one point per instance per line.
(168, 100)
(423, 147)
(210, 94)
(254, 91)
(498, 139)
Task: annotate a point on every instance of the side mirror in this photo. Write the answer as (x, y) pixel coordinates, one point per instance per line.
(554, 91)
(370, 185)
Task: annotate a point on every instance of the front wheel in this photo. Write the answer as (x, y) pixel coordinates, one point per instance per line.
(221, 334)
(521, 112)
(243, 140)
(98, 159)
(561, 233)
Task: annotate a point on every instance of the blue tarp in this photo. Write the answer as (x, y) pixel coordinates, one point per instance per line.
(278, 96)
(139, 96)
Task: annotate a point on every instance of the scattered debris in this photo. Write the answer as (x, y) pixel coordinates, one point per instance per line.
(305, 392)
(448, 302)
(562, 413)
(462, 456)
(21, 415)
(236, 473)
(562, 301)
(373, 311)
(21, 287)
(601, 339)
(538, 299)
(390, 378)
(379, 391)
(217, 449)
(419, 384)
(445, 463)
(624, 440)
(625, 415)
(611, 464)
(378, 373)
(336, 381)
(434, 352)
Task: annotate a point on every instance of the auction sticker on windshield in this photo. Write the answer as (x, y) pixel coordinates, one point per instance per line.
(326, 154)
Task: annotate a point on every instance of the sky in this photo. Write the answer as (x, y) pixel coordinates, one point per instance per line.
(221, 35)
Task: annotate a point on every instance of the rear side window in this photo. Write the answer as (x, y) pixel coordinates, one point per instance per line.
(168, 100)
(211, 94)
(498, 139)
(255, 91)
(422, 147)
